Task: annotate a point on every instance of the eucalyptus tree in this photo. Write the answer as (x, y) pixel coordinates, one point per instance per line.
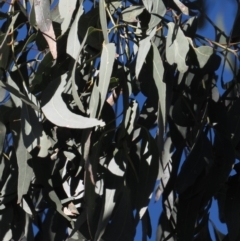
(81, 152)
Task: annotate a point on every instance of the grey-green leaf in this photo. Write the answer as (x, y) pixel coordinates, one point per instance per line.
(106, 213)
(43, 16)
(158, 72)
(130, 14)
(158, 10)
(177, 48)
(103, 20)
(73, 43)
(57, 112)
(105, 71)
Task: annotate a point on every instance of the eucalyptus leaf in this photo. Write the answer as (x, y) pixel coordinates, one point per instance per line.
(105, 70)
(182, 7)
(106, 212)
(73, 43)
(66, 9)
(203, 53)
(53, 106)
(18, 94)
(103, 20)
(177, 48)
(130, 14)
(158, 11)
(44, 23)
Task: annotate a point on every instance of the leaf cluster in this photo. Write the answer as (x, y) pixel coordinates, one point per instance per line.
(81, 152)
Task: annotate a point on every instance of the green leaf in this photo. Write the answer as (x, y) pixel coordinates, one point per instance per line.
(177, 47)
(57, 112)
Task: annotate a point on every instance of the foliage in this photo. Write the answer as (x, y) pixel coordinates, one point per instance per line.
(76, 168)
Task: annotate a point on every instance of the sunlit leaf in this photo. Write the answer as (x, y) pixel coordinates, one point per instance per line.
(53, 106)
(130, 14)
(44, 23)
(177, 47)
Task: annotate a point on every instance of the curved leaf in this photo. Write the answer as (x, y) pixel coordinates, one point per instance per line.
(57, 112)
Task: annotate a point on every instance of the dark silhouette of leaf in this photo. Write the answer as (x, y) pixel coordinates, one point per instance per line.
(106, 212)
(2, 136)
(232, 208)
(5, 222)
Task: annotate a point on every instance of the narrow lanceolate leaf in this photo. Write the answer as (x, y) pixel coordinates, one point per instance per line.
(18, 94)
(32, 131)
(66, 9)
(130, 14)
(177, 48)
(148, 4)
(44, 23)
(103, 20)
(57, 112)
(94, 97)
(158, 9)
(2, 136)
(73, 43)
(107, 209)
(143, 50)
(184, 9)
(6, 219)
(105, 71)
(158, 71)
(14, 18)
(203, 53)
(25, 172)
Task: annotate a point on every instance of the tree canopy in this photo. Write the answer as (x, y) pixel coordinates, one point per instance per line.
(102, 99)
